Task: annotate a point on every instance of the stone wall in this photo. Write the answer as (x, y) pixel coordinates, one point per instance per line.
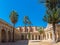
(58, 31)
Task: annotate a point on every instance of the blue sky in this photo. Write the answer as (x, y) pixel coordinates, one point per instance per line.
(31, 8)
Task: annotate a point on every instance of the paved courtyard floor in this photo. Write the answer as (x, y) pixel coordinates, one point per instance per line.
(25, 42)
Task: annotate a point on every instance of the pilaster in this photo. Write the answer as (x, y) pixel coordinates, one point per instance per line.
(0, 35)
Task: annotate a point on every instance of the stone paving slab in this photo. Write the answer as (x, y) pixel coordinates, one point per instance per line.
(30, 43)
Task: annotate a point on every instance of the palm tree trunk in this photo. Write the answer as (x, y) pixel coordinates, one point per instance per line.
(29, 32)
(54, 31)
(25, 26)
(25, 31)
(13, 31)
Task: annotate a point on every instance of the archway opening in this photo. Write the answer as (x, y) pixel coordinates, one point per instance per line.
(3, 35)
(9, 36)
(22, 37)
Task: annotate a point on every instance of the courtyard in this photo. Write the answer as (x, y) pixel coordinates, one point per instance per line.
(30, 42)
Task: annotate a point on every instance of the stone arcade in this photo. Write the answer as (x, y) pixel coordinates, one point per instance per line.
(22, 33)
(6, 32)
(35, 35)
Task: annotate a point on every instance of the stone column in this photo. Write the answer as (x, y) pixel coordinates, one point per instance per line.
(11, 34)
(24, 36)
(27, 36)
(37, 37)
(53, 36)
(57, 36)
(34, 37)
(31, 36)
(0, 35)
(49, 36)
(7, 36)
(46, 36)
(42, 36)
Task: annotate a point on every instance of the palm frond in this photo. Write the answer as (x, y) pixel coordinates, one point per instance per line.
(53, 17)
(13, 16)
(26, 20)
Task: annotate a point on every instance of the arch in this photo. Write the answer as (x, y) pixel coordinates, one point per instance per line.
(3, 35)
(32, 37)
(22, 37)
(25, 35)
(39, 37)
(9, 36)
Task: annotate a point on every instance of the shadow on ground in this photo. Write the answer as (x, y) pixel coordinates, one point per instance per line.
(21, 42)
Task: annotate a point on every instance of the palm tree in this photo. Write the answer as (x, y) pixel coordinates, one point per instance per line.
(51, 4)
(41, 31)
(14, 18)
(52, 17)
(27, 21)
